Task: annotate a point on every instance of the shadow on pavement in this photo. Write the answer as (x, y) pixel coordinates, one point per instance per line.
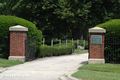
(84, 62)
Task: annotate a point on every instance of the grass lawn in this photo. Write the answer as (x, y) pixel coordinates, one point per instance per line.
(98, 72)
(79, 51)
(7, 63)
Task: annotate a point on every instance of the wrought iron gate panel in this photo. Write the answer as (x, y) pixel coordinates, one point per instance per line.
(112, 51)
(30, 48)
(4, 48)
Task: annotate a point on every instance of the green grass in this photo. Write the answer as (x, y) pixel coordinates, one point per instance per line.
(79, 51)
(8, 63)
(98, 72)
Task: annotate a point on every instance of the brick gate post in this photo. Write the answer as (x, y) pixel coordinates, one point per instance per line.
(96, 45)
(18, 34)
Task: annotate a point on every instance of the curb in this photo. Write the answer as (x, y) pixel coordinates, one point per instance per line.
(73, 78)
(68, 78)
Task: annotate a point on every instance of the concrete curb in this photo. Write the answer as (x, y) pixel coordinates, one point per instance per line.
(68, 77)
(72, 78)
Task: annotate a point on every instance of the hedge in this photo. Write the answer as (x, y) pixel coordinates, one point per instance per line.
(55, 51)
(8, 21)
(113, 32)
(112, 27)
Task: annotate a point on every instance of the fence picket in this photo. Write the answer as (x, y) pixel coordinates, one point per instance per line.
(43, 41)
(60, 43)
(52, 42)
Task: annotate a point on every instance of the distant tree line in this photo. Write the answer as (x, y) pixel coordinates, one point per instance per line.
(58, 18)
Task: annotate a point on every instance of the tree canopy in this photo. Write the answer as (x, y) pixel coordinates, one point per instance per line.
(58, 18)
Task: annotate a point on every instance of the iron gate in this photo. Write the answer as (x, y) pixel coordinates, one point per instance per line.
(112, 51)
(4, 48)
(30, 48)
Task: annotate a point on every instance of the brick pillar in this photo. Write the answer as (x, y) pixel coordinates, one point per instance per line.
(18, 34)
(96, 45)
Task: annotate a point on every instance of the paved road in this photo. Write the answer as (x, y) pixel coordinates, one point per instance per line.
(51, 68)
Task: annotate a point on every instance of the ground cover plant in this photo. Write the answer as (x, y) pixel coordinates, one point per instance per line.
(98, 72)
(8, 63)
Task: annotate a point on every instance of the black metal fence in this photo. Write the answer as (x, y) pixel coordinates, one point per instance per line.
(112, 51)
(4, 48)
(30, 48)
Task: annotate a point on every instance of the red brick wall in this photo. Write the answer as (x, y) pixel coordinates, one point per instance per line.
(17, 43)
(96, 51)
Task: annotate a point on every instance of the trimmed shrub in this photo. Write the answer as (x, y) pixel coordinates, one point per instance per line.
(55, 51)
(113, 34)
(112, 27)
(38, 42)
(8, 21)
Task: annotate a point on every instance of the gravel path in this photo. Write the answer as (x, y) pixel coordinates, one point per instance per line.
(51, 68)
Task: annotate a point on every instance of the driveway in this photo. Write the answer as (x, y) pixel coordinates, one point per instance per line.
(49, 68)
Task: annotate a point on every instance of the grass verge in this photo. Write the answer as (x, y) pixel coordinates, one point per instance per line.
(8, 63)
(79, 51)
(98, 72)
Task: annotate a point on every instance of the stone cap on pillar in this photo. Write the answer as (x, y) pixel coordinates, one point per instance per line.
(18, 28)
(97, 30)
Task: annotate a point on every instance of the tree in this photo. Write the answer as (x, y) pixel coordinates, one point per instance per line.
(6, 6)
(54, 17)
(71, 18)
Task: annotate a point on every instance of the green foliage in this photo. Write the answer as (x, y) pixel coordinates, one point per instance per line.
(38, 42)
(58, 18)
(64, 17)
(112, 35)
(112, 27)
(56, 41)
(112, 54)
(6, 6)
(8, 21)
(55, 51)
(48, 41)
